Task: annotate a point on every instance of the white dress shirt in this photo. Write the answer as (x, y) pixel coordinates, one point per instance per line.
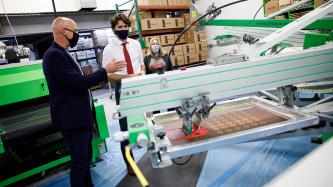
(114, 51)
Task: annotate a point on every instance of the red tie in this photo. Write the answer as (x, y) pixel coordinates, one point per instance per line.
(128, 60)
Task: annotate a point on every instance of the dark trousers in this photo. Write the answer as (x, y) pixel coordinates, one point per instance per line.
(80, 150)
(123, 124)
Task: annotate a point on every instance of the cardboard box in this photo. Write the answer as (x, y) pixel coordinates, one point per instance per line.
(161, 2)
(187, 18)
(172, 2)
(142, 15)
(177, 22)
(189, 36)
(169, 23)
(179, 2)
(280, 17)
(189, 58)
(81, 55)
(144, 2)
(149, 24)
(201, 47)
(199, 37)
(164, 23)
(201, 57)
(90, 53)
(167, 39)
(317, 3)
(271, 7)
(177, 60)
(148, 38)
(184, 2)
(284, 3)
(188, 48)
(181, 39)
(152, 2)
(177, 50)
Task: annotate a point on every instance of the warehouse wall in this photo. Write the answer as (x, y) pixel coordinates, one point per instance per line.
(37, 24)
(38, 6)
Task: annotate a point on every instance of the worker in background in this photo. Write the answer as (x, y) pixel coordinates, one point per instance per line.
(71, 105)
(157, 59)
(122, 48)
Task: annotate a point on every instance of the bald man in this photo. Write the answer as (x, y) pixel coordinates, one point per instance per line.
(71, 105)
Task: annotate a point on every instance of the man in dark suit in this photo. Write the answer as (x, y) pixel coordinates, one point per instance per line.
(72, 110)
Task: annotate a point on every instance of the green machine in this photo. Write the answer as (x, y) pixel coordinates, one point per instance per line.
(28, 143)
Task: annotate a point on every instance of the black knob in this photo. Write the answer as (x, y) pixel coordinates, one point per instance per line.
(161, 135)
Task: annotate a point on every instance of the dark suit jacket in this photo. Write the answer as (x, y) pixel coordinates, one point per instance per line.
(69, 97)
(167, 61)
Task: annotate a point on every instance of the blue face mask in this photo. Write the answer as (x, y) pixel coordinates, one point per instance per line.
(155, 48)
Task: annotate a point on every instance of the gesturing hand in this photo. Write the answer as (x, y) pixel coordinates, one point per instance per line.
(115, 66)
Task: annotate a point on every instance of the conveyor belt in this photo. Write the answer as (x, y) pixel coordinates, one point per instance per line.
(26, 123)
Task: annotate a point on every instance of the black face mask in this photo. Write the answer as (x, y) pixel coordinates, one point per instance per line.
(74, 40)
(122, 34)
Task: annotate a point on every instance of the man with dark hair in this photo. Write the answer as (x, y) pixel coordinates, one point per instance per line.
(72, 110)
(122, 48)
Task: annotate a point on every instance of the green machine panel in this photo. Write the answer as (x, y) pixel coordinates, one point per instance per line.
(20, 83)
(136, 125)
(26, 81)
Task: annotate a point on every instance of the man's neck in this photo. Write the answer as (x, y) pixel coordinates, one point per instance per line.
(123, 41)
(61, 42)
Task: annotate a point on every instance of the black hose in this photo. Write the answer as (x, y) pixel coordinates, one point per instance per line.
(255, 15)
(183, 163)
(201, 17)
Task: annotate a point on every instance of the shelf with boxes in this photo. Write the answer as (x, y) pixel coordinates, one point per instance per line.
(165, 20)
(87, 53)
(273, 6)
(87, 58)
(159, 7)
(193, 52)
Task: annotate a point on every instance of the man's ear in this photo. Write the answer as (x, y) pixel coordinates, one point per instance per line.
(63, 31)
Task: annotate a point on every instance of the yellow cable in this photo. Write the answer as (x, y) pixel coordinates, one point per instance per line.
(135, 167)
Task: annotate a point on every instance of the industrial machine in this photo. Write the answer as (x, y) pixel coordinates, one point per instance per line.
(223, 103)
(28, 143)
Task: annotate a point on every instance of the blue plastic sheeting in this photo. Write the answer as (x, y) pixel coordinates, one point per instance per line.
(252, 164)
(107, 173)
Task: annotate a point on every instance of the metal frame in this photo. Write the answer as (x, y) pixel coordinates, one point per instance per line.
(296, 120)
(253, 51)
(138, 22)
(153, 92)
(288, 8)
(322, 24)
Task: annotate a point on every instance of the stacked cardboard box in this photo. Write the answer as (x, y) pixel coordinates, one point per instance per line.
(196, 49)
(162, 23)
(181, 39)
(167, 39)
(177, 60)
(187, 18)
(152, 2)
(177, 57)
(271, 7)
(318, 3)
(177, 50)
(178, 2)
(148, 38)
(285, 3)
